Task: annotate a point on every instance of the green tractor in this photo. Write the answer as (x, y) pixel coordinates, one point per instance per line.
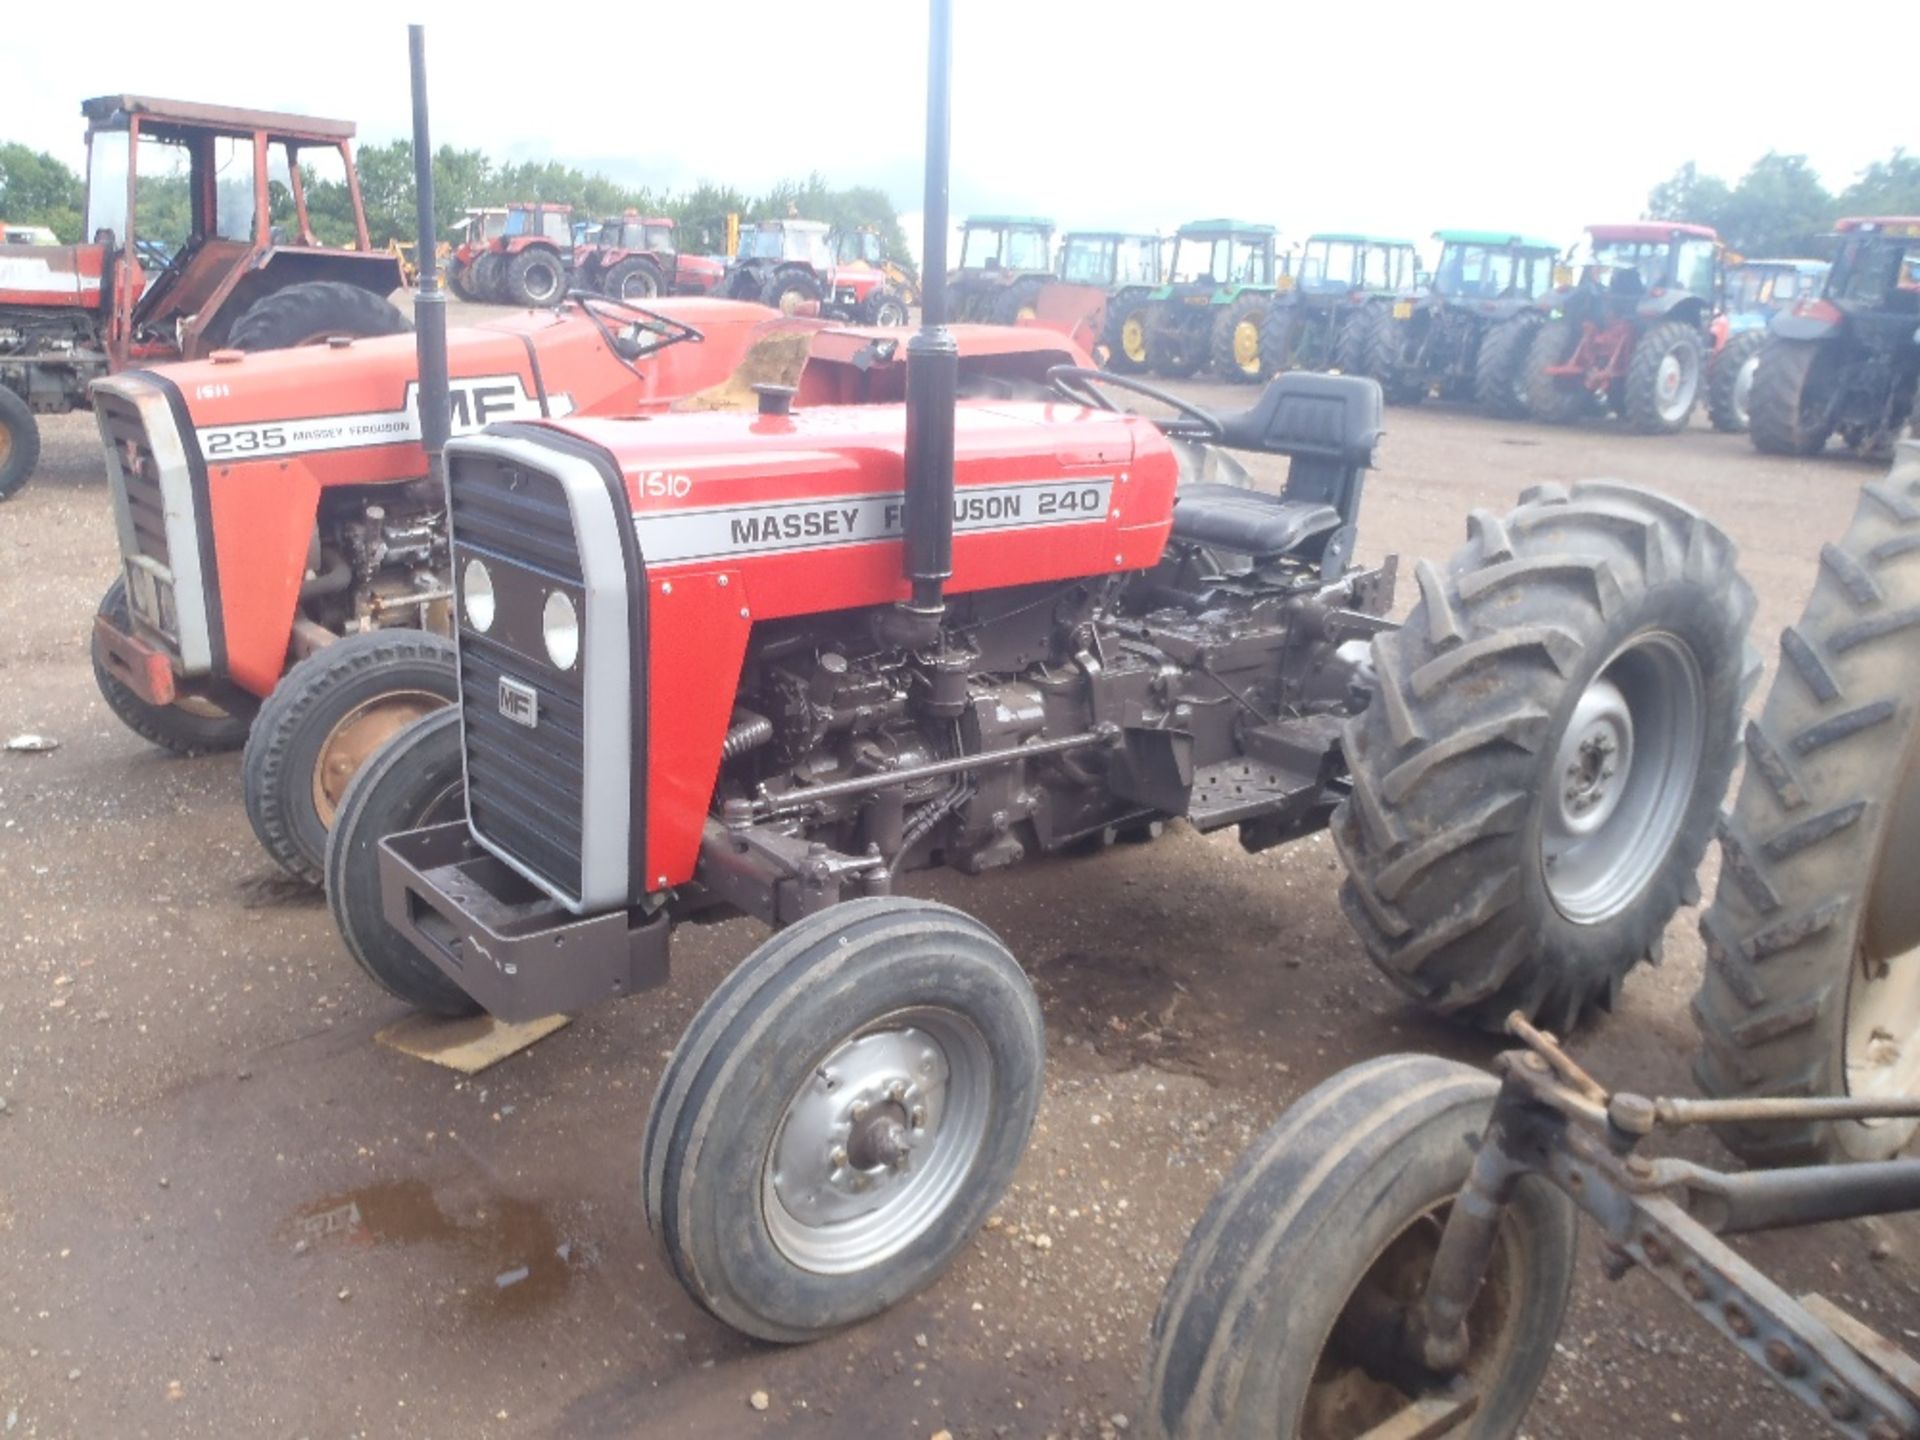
(1467, 332)
(1222, 282)
(1126, 267)
(1004, 260)
(1311, 324)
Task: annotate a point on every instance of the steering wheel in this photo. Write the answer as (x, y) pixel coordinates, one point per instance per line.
(1083, 386)
(670, 331)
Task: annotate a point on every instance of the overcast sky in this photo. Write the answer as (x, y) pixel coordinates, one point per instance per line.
(1537, 117)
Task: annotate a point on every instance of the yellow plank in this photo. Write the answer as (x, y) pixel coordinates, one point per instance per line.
(468, 1046)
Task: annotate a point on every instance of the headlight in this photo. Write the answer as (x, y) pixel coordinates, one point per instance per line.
(560, 625)
(476, 583)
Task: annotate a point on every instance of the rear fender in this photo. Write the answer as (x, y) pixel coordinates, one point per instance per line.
(375, 271)
(1809, 320)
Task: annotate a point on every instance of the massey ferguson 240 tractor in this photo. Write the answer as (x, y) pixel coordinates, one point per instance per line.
(1631, 335)
(771, 663)
(235, 276)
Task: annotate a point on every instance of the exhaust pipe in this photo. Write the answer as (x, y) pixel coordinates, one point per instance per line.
(429, 300)
(933, 369)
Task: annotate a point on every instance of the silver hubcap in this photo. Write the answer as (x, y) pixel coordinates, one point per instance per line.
(1883, 998)
(1622, 777)
(1743, 386)
(1674, 384)
(875, 1146)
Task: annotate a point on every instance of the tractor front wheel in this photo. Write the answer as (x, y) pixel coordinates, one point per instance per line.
(633, 279)
(1237, 352)
(1018, 302)
(536, 277)
(1284, 1314)
(1812, 984)
(1539, 770)
(1500, 366)
(312, 311)
(190, 726)
(885, 306)
(487, 277)
(1663, 379)
(841, 1116)
(415, 779)
(1730, 382)
(1791, 404)
(19, 442)
(1173, 350)
(327, 715)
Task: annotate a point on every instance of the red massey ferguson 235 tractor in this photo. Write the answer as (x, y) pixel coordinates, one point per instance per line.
(771, 663)
(183, 258)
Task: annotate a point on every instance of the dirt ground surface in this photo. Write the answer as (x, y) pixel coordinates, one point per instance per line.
(224, 1210)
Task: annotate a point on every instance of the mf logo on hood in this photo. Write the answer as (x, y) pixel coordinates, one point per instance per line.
(519, 702)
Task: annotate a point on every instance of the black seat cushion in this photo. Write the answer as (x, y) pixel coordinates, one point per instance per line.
(1250, 522)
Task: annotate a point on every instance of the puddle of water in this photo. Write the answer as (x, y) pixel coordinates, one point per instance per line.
(511, 1259)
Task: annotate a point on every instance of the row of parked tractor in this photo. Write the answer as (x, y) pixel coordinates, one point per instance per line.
(1645, 319)
(534, 254)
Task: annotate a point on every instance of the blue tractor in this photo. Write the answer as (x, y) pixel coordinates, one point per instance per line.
(1757, 290)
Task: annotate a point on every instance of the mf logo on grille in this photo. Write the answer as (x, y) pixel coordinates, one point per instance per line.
(519, 703)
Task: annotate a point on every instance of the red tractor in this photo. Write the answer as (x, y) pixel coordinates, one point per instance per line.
(188, 254)
(1631, 335)
(530, 262)
(793, 263)
(474, 233)
(634, 258)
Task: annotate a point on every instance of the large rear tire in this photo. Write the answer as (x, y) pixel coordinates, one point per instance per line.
(536, 277)
(1348, 1192)
(1237, 352)
(459, 282)
(1500, 366)
(189, 726)
(312, 311)
(1554, 398)
(1791, 403)
(488, 277)
(1540, 768)
(1730, 382)
(1812, 984)
(1663, 379)
(325, 718)
(19, 442)
(414, 780)
(841, 1116)
(633, 279)
(788, 290)
(885, 306)
(1129, 318)
(1018, 302)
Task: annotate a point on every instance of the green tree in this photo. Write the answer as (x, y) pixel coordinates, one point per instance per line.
(1687, 195)
(1778, 208)
(1886, 187)
(36, 189)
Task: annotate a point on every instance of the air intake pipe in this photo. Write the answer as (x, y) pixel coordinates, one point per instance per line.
(933, 369)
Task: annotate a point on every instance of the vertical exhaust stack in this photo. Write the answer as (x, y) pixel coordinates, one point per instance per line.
(429, 300)
(933, 368)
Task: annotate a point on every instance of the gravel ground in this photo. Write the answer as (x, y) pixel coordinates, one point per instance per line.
(224, 1210)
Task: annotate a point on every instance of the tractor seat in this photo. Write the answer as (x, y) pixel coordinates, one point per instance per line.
(1250, 522)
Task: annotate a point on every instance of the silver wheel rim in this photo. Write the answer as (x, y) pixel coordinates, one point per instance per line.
(1622, 778)
(542, 281)
(1883, 993)
(1675, 382)
(1743, 387)
(876, 1145)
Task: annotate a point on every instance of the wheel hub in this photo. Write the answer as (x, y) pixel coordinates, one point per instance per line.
(1133, 338)
(355, 736)
(1673, 384)
(1246, 345)
(1622, 777)
(1743, 386)
(877, 1143)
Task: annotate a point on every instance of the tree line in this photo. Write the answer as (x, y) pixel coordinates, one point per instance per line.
(1780, 207)
(37, 188)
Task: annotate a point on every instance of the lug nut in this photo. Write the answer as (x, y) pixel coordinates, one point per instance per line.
(1781, 1356)
(897, 1091)
(859, 1110)
(838, 1157)
(1839, 1402)
(1738, 1320)
(919, 1116)
(1695, 1285)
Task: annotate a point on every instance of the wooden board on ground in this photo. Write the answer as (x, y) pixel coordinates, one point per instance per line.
(468, 1046)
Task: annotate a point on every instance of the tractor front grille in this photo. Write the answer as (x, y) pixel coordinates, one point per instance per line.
(525, 783)
(136, 471)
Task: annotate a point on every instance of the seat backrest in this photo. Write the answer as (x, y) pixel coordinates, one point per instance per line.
(1328, 424)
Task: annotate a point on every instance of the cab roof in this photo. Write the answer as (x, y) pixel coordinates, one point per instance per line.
(1194, 229)
(1896, 224)
(1804, 267)
(1506, 238)
(111, 111)
(1111, 235)
(1348, 237)
(1010, 222)
(1651, 231)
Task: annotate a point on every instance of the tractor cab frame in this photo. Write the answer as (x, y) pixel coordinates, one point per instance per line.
(1004, 260)
(1222, 277)
(789, 264)
(1337, 276)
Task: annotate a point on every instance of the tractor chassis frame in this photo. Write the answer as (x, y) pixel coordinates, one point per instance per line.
(1553, 1121)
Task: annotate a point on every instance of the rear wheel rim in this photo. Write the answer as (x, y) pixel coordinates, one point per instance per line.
(1623, 777)
(1246, 344)
(879, 1142)
(1675, 383)
(356, 735)
(1883, 993)
(1133, 339)
(1743, 386)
